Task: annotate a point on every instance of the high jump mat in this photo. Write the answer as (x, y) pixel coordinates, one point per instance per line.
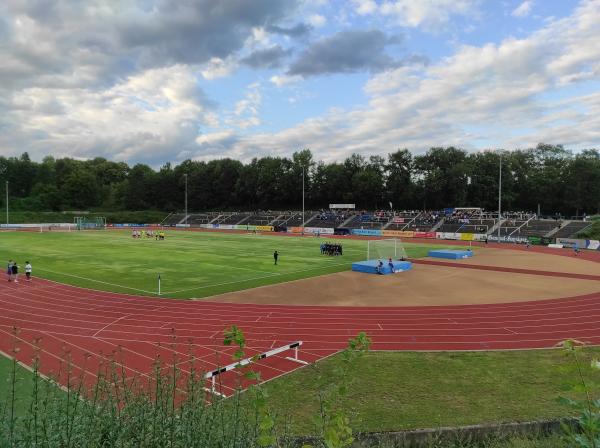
(370, 266)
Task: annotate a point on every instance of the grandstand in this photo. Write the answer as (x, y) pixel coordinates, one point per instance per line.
(201, 218)
(400, 220)
(365, 220)
(571, 229)
(262, 219)
(232, 218)
(459, 221)
(330, 219)
(538, 227)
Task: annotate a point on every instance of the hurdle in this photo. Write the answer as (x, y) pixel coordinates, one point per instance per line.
(212, 376)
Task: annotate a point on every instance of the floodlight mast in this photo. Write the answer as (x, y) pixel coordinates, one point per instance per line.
(500, 196)
(186, 198)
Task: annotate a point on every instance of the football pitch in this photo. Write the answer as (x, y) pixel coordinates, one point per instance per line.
(190, 264)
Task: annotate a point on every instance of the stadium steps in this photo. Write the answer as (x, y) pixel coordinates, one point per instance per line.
(278, 218)
(557, 229)
(216, 218)
(185, 217)
(526, 223)
(438, 225)
(495, 227)
(348, 221)
(309, 219)
(411, 221)
(244, 220)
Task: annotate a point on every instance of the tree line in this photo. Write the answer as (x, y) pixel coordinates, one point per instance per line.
(556, 178)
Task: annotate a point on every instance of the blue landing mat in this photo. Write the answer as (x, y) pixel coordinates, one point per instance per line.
(370, 266)
(450, 254)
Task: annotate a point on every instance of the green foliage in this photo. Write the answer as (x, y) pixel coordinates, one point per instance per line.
(548, 175)
(592, 232)
(586, 432)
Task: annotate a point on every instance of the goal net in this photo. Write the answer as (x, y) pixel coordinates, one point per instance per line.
(386, 248)
(90, 223)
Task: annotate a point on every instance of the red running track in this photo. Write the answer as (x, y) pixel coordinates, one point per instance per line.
(92, 327)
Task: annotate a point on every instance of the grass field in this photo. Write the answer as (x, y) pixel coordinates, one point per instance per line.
(408, 390)
(191, 264)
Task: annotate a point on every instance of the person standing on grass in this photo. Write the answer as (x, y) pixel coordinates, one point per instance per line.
(275, 256)
(28, 271)
(15, 271)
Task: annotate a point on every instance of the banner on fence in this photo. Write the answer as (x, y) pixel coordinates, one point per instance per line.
(447, 236)
(265, 228)
(466, 236)
(341, 206)
(424, 235)
(592, 244)
(367, 232)
(318, 230)
(507, 239)
(571, 242)
(397, 233)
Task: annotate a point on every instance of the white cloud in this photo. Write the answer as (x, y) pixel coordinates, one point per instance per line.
(523, 10)
(218, 68)
(134, 120)
(283, 80)
(365, 7)
(501, 93)
(429, 14)
(317, 20)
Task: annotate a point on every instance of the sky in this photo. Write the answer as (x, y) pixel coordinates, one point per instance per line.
(156, 81)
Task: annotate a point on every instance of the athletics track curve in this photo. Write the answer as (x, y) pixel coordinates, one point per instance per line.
(92, 327)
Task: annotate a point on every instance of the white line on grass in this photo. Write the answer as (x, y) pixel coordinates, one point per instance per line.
(97, 281)
(275, 274)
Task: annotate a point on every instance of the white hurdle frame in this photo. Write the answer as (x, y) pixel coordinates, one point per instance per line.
(212, 376)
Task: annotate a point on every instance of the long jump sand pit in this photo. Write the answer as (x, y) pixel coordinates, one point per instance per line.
(427, 285)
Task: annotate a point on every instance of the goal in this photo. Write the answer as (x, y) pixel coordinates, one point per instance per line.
(386, 248)
(90, 223)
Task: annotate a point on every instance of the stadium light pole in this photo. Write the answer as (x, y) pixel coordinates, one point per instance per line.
(500, 196)
(303, 200)
(186, 209)
(7, 203)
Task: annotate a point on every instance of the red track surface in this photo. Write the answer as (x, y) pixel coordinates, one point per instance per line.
(90, 327)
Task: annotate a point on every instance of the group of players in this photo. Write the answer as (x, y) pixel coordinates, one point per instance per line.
(12, 271)
(331, 249)
(157, 235)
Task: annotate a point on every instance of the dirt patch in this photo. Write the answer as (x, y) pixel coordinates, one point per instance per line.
(422, 286)
(531, 260)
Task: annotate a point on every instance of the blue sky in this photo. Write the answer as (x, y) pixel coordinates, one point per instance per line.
(158, 81)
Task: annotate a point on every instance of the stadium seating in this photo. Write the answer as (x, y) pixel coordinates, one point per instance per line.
(571, 229)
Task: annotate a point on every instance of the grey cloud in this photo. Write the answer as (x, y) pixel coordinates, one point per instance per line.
(268, 58)
(89, 44)
(298, 30)
(346, 51)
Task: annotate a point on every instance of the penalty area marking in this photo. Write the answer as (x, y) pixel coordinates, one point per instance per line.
(275, 274)
(97, 281)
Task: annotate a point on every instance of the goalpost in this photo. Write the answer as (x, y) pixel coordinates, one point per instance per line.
(386, 248)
